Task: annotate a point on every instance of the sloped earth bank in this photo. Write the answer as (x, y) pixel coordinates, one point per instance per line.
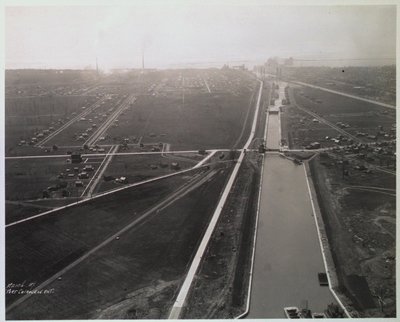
(361, 230)
(221, 284)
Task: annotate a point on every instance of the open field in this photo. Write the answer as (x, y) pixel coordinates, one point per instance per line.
(26, 116)
(182, 109)
(66, 234)
(359, 215)
(204, 121)
(368, 136)
(139, 272)
(52, 203)
(298, 129)
(137, 168)
(55, 178)
(358, 116)
(36, 175)
(84, 127)
(377, 83)
(17, 210)
(36, 82)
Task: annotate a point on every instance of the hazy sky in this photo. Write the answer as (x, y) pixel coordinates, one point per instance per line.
(171, 35)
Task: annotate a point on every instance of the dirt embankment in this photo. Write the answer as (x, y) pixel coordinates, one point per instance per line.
(221, 284)
(361, 230)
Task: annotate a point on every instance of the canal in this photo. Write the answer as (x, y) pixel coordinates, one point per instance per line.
(273, 132)
(287, 255)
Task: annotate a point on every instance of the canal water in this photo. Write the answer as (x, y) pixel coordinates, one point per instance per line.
(273, 132)
(287, 257)
(273, 135)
